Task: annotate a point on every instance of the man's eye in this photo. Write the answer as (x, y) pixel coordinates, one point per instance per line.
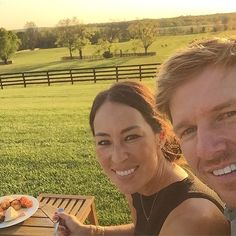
(188, 131)
(226, 115)
(103, 142)
(131, 137)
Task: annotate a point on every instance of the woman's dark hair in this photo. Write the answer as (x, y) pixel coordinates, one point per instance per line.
(141, 98)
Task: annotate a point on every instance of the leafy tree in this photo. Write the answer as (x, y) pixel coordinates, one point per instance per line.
(80, 43)
(23, 39)
(47, 38)
(66, 34)
(82, 40)
(32, 35)
(225, 21)
(95, 35)
(104, 45)
(135, 45)
(111, 32)
(9, 43)
(72, 34)
(145, 31)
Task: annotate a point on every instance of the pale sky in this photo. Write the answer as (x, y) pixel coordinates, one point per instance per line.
(47, 13)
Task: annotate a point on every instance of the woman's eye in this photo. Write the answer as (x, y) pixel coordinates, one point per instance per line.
(132, 137)
(226, 115)
(188, 131)
(103, 142)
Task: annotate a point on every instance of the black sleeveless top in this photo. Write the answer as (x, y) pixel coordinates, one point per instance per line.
(166, 200)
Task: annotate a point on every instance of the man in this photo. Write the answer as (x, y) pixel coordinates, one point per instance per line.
(197, 92)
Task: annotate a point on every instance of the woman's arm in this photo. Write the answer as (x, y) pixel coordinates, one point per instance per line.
(117, 230)
(196, 216)
(71, 226)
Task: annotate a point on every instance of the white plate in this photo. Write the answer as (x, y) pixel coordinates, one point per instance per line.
(28, 211)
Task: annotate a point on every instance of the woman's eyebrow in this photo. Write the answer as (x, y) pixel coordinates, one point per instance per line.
(103, 134)
(130, 128)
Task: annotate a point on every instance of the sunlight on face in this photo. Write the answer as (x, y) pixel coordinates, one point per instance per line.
(126, 146)
(206, 125)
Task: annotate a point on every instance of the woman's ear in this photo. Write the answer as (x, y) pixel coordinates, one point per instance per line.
(162, 138)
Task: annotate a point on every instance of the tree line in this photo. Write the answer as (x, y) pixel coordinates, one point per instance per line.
(74, 35)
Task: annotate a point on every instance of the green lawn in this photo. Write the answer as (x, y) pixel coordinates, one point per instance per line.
(46, 146)
(48, 59)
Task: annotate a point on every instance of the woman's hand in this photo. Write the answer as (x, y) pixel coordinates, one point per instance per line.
(71, 226)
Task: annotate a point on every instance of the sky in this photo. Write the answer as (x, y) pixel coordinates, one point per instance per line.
(14, 14)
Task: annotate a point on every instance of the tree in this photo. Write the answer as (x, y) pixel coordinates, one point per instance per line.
(9, 43)
(32, 35)
(225, 21)
(72, 34)
(80, 43)
(47, 38)
(111, 32)
(135, 45)
(104, 45)
(23, 40)
(82, 40)
(145, 31)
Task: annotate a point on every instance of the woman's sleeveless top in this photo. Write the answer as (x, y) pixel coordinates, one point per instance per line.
(166, 200)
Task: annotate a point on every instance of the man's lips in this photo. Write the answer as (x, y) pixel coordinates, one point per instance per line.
(225, 170)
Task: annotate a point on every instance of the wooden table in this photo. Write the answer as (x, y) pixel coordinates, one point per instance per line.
(41, 224)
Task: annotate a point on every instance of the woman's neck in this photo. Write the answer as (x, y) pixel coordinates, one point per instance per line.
(167, 174)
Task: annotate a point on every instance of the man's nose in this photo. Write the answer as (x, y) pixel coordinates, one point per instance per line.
(209, 143)
(119, 153)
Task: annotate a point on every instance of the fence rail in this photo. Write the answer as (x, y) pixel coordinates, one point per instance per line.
(78, 75)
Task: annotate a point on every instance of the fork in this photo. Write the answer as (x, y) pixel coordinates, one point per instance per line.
(56, 225)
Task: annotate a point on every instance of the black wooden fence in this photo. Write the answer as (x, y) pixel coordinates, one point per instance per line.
(78, 75)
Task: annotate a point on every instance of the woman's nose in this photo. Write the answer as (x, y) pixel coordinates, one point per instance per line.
(119, 153)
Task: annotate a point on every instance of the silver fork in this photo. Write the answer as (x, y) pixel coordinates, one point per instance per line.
(56, 225)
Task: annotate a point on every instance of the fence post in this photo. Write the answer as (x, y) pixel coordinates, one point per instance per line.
(48, 78)
(71, 77)
(1, 82)
(23, 77)
(117, 74)
(140, 72)
(94, 75)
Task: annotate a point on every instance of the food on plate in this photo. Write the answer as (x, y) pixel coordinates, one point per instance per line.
(16, 204)
(26, 202)
(11, 214)
(12, 208)
(2, 217)
(5, 203)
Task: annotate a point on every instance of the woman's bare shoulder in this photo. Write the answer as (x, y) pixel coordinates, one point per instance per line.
(196, 216)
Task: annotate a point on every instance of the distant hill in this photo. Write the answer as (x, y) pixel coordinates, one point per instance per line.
(180, 21)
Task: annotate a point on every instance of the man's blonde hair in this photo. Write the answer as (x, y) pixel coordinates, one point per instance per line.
(186, 64)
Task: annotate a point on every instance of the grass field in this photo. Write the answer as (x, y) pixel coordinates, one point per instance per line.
(48, 59)
(46, 146)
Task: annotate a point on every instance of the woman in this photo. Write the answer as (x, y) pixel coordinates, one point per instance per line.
(136, 150)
